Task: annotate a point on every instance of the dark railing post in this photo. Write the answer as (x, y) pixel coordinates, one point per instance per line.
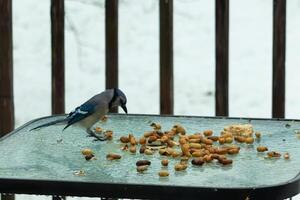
(222, 46)
(111, 45)
(6, 73)
(279, 32)
(166, 56)
(58, 56)
(6, 68)
(58, 60)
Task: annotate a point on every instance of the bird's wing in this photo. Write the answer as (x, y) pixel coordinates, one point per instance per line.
(80, 113)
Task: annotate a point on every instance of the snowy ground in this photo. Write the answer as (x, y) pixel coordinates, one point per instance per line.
(250, 56)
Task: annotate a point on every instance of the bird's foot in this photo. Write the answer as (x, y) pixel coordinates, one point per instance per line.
(96, 136)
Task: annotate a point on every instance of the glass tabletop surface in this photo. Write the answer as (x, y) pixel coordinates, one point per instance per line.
(52, 154)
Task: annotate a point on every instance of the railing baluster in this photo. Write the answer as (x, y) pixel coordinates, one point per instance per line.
(111, 45)
(166, 56)
(58, 56)
(279, 39)
(6, 68)
(58, 60)
(222, 38)
(6, 74)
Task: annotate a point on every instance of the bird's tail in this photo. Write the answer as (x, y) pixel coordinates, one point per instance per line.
(50, 123)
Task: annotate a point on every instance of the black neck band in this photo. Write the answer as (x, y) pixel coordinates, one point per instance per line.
(113, 98)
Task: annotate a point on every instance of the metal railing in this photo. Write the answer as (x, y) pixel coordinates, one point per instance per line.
(111, 58)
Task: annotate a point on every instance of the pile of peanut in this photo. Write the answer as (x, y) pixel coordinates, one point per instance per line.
(198, 148)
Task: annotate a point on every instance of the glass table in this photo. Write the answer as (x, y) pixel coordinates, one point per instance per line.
(45, 161)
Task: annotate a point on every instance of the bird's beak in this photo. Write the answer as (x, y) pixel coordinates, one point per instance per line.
(124, 108)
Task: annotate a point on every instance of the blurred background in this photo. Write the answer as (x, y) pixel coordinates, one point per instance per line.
(250, 61)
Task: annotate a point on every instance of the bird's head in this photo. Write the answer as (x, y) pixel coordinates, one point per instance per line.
(118, 99)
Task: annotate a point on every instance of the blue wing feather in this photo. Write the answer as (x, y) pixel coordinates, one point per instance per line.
(80, 113)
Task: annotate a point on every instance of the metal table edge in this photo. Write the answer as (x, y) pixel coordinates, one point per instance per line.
(98, 189)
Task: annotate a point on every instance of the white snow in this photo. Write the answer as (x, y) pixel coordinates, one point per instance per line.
(250, 57)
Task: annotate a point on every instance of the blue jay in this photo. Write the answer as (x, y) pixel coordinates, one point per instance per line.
(92, 110)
